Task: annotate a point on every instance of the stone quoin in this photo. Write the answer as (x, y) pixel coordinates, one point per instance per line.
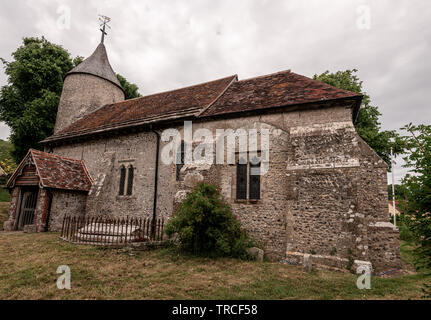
(323, 200)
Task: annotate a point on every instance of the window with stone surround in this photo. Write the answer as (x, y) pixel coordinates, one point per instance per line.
(122, 180)
(126, 180)
(130, 177)
(241, 179)
(248, 179)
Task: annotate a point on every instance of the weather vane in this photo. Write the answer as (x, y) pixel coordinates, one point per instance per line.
(104, 20)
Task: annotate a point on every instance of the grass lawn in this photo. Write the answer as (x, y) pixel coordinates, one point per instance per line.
(28, 264)
(4, 207)
(4, 195)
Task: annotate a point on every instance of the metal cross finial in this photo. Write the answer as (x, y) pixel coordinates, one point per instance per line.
(104, 20)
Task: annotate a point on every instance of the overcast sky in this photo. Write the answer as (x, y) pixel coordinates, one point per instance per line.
(166, 44)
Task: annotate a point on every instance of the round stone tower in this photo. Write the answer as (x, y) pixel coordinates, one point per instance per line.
(87, 87)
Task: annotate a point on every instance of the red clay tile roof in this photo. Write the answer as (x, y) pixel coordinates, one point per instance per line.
(219, 97)
(56, 172)
(155, 107)
(274, 90)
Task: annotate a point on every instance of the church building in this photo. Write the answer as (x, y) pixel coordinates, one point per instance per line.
(323, 197)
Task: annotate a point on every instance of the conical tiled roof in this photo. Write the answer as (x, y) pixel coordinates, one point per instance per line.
(98, 65)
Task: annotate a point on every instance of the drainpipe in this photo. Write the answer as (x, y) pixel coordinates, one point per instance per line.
(156, 180)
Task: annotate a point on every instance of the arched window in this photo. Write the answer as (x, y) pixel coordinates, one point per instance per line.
(180, 159)
(130, 180)
(122, 180)
(254, 186)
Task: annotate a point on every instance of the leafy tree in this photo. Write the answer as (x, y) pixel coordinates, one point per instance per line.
(8, 165)
(417, 207)
(5, 149)
(130, 89)
(77, 60)
(28, 103)
(206, 225)
(367, 125)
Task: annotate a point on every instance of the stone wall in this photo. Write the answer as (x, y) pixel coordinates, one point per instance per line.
(41, 211)
(264, 219)
(340, 193)
(65, 203)
(13, 209)
(104, 158)
(324, 193)
(384, 246)
(82, 94)
(379, 239)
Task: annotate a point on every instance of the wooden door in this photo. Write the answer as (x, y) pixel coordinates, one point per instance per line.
(27, 208)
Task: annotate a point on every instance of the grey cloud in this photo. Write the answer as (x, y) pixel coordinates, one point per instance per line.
(162, 45)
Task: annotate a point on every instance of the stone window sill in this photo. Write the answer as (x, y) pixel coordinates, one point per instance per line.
(126, 197)
(248, 201)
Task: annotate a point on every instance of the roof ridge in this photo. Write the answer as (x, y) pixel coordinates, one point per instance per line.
(60, 134)
(55, 155)
(36, 166)
(126, 122)
(226, 95)
(247, 94)
(235, 79)
(173, 90)
(266, 75)
(325, 84)
(298, 75)
(125, 102)
(18, 167)
(86, 171)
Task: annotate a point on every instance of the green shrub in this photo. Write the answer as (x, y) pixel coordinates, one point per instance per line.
(405, 234)
(4, 195)
(206, 225)
(417, 207)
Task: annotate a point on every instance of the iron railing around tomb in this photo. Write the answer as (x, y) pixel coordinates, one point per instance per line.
(111, 231)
